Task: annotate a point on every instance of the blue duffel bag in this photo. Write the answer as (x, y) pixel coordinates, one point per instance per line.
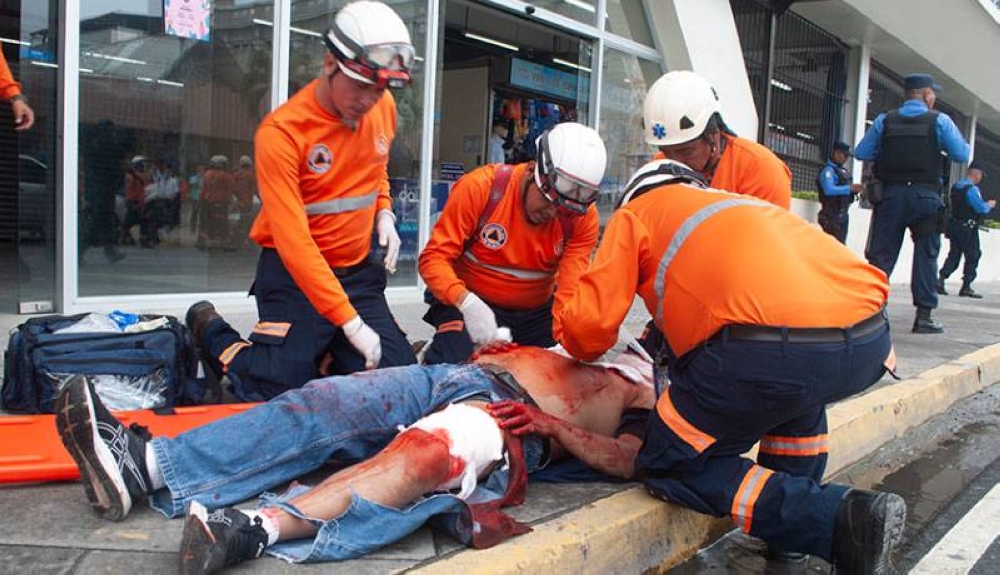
(150, 369)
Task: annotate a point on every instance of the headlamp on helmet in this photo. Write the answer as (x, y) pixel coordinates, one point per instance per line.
(387, 65)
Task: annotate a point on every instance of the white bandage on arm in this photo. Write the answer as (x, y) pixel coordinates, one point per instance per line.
(473, 437)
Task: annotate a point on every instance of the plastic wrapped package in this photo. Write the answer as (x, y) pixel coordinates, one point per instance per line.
(123, 392)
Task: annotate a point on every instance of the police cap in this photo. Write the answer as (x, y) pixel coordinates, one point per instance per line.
(842, 146)
(919, 81)
(977, 165)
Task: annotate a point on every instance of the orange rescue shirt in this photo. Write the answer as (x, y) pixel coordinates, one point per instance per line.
(749, 168)
(304, 156)
(8, 86)
(728, 260)
(508, 240)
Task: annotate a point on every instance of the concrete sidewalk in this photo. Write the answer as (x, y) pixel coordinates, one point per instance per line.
(591, 528)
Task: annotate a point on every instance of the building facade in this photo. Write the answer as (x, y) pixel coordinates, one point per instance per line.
(137, 99)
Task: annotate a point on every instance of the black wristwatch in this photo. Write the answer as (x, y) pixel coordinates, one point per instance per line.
(20, 97)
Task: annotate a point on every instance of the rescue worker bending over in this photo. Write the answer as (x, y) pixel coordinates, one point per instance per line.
(682, 116)
(967, 211)
(507, 236)
(906, 146)
(321, 174)
(836, 192)
(754, 355)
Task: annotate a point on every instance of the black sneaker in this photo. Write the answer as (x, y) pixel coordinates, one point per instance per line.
(869, 525)
(214, 540)
(111, 457)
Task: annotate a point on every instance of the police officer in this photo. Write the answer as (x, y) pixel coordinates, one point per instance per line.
(321, 173)
(506, 237)
(754, 355)
(682, 117)
(836, 192)
(906, 146)
(967, 211)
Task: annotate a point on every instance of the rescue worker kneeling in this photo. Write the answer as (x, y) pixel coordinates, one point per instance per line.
(766, 320)
(506, 237)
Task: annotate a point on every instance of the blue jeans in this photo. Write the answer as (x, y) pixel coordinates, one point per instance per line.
(347, 418)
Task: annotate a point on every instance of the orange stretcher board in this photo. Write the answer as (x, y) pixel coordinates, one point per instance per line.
(30, 448)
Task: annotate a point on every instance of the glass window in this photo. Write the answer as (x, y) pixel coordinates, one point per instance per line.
(29, 32)
(162, 115)
(627, 18)
(625, 80)
(580, 10)
(310, 20)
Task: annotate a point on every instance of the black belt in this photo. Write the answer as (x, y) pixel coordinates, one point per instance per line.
(351, 270)
(803, 334)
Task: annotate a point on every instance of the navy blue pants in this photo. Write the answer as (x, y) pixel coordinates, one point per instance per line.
(726, 395)
(910, 207)
(964, 243)
(834, 220)
(288, 342)
(452, 344)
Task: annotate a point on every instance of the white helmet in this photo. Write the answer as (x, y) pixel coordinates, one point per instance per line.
(570, 165)
(678, 108)
(372, 44)
(659, 173)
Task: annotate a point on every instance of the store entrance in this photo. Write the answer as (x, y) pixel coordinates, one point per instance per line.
(505, 80)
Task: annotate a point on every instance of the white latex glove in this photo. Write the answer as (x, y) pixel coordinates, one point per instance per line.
(479, 319)
(365, 340)
(388, 238)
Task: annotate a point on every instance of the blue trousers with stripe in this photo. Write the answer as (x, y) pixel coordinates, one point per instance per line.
(276, 362)
(725, 396)
(452, 344)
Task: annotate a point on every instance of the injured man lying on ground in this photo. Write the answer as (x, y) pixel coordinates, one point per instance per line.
(450, 444)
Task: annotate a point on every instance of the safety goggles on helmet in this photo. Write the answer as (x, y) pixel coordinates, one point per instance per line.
(560, 188)
(385, 65)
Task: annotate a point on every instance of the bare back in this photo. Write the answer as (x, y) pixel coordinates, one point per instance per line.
(591, 398)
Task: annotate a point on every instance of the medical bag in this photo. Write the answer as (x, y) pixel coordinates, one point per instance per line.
(150, 365)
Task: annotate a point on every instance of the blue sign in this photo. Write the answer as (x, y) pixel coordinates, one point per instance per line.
(546, 80)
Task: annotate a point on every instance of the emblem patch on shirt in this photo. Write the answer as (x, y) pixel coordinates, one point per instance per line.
(382, 144)
(320, 159)
(493, 236)
(560, 247)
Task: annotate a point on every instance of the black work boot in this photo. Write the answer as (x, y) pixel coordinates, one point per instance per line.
(869, 525)
(924, 323)
(940, 286)
(967, 291)
(198, 317)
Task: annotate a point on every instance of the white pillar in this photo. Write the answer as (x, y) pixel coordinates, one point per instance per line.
(858, 75)
(701, 35)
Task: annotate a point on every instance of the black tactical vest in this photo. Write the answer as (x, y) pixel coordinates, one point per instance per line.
(960, 208)
(909, 149)
(843, 178)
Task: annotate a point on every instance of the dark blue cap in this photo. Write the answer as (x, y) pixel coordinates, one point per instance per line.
(918, 81)
(977, 165)
(842, 146)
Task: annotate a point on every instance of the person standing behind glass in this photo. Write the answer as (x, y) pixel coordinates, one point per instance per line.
(322, 176)
(498, 138)
(836, 192)
(906, 146)
(10, 90)
(967, 211)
